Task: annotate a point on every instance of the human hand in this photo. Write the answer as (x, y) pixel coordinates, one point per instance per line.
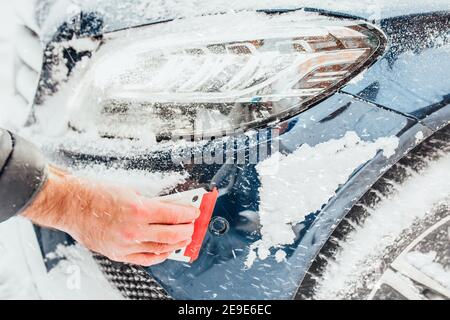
(113, 221)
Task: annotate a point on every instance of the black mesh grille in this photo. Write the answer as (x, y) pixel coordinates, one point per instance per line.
(132, 281)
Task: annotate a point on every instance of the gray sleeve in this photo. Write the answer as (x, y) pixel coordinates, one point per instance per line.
(23, 171)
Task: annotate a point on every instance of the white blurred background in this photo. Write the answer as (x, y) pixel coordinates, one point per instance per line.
(13, 108)
(22, 273)
(7, 27)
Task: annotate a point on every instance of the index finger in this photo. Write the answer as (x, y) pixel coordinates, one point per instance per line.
(159, 212)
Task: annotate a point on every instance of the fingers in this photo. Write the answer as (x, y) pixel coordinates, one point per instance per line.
(169, 234)
(159, 212)
(162, 233)
(146, 259)
(158, 248)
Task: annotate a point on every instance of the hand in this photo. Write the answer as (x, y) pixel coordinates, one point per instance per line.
(113, 221)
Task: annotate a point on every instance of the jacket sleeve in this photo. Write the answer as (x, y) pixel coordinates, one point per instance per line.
(23, 171)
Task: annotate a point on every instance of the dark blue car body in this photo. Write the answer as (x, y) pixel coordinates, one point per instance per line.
(404, 92)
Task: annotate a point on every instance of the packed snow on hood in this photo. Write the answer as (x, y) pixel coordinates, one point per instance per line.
(295, 185)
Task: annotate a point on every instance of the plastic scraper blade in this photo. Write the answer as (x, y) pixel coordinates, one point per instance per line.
(206, 202)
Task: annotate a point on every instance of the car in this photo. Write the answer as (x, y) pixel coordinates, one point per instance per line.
(304, 119)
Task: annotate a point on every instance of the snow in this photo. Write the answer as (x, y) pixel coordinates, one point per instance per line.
(77, 276)
(280, 256)
(364, 248)
(288, 194)
(16, 281)
(23, 275)
(139, 11)
(398, 82)
(419, 136)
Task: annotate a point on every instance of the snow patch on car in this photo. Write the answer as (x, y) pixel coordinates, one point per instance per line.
(419, 136)
(295, 185)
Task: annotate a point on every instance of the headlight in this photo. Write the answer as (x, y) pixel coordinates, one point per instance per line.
(216, 75)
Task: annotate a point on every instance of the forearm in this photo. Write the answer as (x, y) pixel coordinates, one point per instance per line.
(54, 201)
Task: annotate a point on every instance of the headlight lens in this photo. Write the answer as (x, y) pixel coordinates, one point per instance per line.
(218, 75)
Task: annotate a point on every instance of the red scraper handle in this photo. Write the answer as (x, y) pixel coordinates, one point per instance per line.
(201, 224)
